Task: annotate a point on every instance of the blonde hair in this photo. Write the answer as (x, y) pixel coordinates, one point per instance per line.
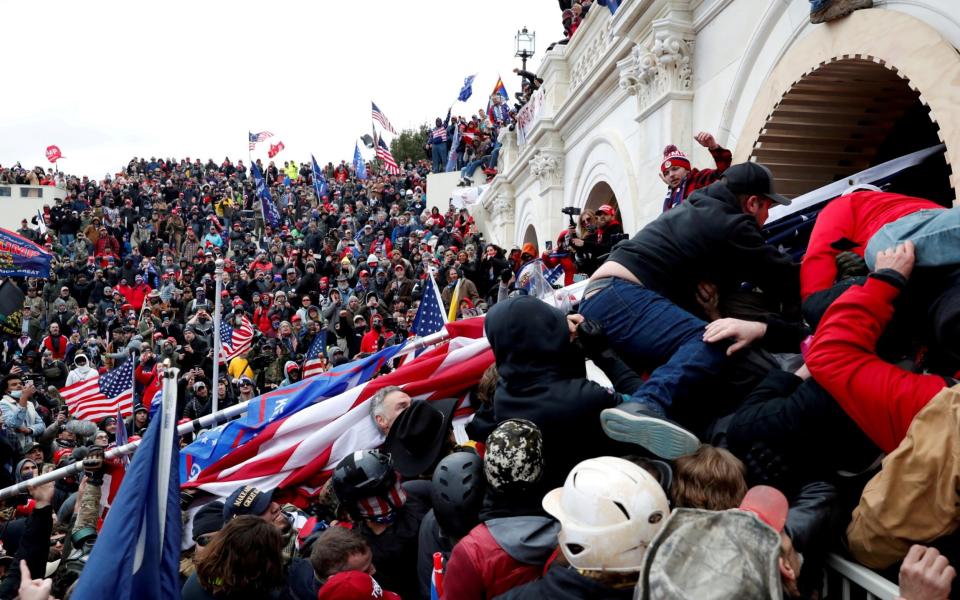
(710, 478)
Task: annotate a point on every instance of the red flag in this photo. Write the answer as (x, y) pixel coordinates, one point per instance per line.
(53, 154)
(275, 149)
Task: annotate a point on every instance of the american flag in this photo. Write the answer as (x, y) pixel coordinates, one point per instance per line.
(379, 117)
(430, 315)
(312, 364)
(102, 396)
(297, 454)
(383, 153)
(234, 342)
(440, 133)
(258, 137)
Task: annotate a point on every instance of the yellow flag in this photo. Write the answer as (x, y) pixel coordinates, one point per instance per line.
(454, 301)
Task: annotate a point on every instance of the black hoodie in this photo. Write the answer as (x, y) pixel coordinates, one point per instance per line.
(707, 238)
(543, 379)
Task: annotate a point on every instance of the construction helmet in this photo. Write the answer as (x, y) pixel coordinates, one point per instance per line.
(609, 510)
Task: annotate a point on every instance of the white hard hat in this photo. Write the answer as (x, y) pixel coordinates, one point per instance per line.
(609, 510)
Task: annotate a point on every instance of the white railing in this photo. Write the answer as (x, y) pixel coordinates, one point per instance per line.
(855, 581)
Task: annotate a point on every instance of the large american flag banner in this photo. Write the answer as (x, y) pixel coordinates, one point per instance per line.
(312, 362)
(258, 137)
(235, 341)
(383, 153)
(439, 133)
(379, 117)
(102, 396)
(296, 455)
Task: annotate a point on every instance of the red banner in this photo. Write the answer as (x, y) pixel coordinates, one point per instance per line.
(53, 154)
(275, 149)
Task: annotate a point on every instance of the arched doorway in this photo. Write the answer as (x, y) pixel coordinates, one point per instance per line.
(845, 116)
(600, 194)
(530, 236)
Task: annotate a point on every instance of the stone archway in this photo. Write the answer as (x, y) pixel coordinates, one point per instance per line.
(530, 236)
(908, 49)
(846, 116)
(600, 194)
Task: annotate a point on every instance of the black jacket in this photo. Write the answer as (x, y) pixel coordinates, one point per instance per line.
(543, 379)
(707, 238)
(564, 583)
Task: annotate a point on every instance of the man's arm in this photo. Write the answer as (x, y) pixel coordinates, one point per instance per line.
(880, 397)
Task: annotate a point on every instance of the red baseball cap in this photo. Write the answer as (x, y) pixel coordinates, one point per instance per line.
(354, 585)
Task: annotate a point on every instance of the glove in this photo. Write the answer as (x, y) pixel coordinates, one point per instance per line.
(850, 265)
(592, 337)
(93, 466)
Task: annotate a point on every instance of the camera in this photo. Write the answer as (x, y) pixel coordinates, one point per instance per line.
(571, 212)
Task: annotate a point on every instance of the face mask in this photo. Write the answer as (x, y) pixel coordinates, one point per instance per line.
(16, 394)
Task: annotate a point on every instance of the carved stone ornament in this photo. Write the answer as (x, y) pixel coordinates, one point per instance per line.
(547, 167)
(663, 67)
(502, 205)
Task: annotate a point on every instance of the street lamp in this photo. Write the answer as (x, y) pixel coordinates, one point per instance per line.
(526, 45)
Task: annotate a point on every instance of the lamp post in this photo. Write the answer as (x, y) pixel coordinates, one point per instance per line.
(218, 273)
(526, 42)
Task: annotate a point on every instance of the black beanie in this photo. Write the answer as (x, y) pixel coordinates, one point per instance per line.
(208, 519)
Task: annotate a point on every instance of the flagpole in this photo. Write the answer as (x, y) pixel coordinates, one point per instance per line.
(217, 350)
(204, 422)
(169, 376)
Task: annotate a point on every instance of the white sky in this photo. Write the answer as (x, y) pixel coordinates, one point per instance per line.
(109, 80)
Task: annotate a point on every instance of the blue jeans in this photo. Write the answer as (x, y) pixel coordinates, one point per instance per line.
(470, 168)
(642, 324)
(438, 154)
(935, 233)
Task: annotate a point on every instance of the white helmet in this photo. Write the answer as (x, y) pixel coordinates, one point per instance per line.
(609, 510)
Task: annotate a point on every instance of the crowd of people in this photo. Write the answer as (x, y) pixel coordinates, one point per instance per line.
(800, 409)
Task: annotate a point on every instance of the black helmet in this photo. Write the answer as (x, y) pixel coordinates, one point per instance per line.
(457, 493)
(363, 474)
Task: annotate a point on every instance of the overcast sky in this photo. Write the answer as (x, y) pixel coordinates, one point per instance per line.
(109, 80)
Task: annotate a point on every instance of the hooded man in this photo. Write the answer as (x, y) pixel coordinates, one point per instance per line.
(82, 370)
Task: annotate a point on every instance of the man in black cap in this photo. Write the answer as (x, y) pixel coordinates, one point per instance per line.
(420, 437)
(248, 500)
(644, 294)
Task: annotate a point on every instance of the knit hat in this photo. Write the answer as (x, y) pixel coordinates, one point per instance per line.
(514, 457)
(673, 157)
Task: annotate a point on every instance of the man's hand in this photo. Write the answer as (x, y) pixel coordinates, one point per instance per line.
(707, 140)
(901, 259)
(572, 322)
(27, 393)
(43, 494)
(743, 333)
(709, 299)
(925, 574)
(33, 589)
(577, 242)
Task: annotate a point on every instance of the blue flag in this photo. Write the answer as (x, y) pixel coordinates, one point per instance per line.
(358, 165)
(210, 446)
(319, 181)
(467, 90)
(270, 215)
(19, 257)
(137, 554)
(613, 5)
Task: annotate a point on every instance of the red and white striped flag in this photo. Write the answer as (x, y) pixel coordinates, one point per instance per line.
(102, 396)
(381, 118)
(297, 455)
(235, 341)
(383, 153)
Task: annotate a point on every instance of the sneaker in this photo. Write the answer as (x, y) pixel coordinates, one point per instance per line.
(634, 423)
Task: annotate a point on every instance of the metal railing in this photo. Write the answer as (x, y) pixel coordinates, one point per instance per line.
(847, 580)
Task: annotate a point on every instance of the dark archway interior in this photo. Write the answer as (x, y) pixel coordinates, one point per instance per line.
(844, 117)
(600, 194)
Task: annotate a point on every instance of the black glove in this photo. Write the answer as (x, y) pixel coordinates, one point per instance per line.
(592, 337)
(850, 265)
(93, 465)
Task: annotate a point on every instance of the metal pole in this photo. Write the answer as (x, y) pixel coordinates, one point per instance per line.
(169, 376)
(218, 273)
(204, 422)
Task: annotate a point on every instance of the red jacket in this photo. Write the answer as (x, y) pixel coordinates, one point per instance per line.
(59, 350)
(136, 294)
(854, 217)
(370, 341)
(479, 568)
(880, 397)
